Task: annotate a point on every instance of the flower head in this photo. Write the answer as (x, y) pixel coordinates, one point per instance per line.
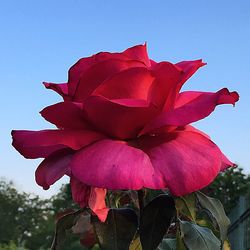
(124, 124)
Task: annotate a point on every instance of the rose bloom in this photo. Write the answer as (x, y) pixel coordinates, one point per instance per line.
(124, 124)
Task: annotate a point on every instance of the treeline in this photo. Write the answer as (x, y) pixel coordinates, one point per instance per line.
(28, 222)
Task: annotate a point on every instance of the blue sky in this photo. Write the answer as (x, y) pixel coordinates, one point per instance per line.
(41, 39)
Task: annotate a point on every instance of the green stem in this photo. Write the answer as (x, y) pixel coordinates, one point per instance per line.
(141, 194)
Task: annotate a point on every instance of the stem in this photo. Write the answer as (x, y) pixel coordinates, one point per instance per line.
(140, 194)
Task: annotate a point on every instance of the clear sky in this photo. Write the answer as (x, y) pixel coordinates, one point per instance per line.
(41, 39)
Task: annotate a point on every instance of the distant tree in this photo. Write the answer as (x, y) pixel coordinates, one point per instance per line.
(229, 186)
(29, 221)
(24, 217)
(63, 200)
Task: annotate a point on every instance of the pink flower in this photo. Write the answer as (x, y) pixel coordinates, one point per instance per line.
(124, 124)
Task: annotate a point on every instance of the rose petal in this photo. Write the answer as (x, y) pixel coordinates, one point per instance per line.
(60, 88)
(114, 165)
(99, 72)
(36, 144)
(131, 83)
(65, 115)
(80, 192)
(225, 162)
(185, 161)
(97, 203)
(189, 68)
(167, 76)
(76, 71)
(138, 52)
(190, 107)
(118, 118)
(53, 168)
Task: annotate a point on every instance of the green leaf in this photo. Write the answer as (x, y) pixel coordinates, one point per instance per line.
(179, 242)
(216, 210)
(63, 224)
(167, 244)
(206, 222)
(186, 205)
(198, 238)
(155, 219)
(117, 232)
(135, 244)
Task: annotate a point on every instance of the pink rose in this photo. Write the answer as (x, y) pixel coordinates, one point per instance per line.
(124, 124)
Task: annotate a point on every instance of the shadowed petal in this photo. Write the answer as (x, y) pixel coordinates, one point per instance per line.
(122, 118)
(185, 161)
(53, 168)
(225, 162)
(80, 192)
(114, 165)
(36, 144)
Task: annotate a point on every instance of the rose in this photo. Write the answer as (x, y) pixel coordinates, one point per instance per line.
(124, 124)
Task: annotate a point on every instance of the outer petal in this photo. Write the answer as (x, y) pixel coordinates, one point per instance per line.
(120, 119)
(65, 115)
(192, 106)
(225, 162)
(36, 144)
(138, 52)
(114, 165)
(167, 76)
(97, 203)
(169, 80)
(99, 72)
(185, 161)
(77, 70)
(189, 68)
(60, 88)
(53, 168)
(80, 192)
(131, 83)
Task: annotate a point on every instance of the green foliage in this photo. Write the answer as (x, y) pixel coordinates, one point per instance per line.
(228, 186)
(11, 246)
(208, 230)
(197, 237)
(155, 219)
(119, 229)
(63, 200)
(167, 244)
(29, 221)
(191, 222)
(23, 218)
(216, 211)
(187, 206)
(64, 223)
